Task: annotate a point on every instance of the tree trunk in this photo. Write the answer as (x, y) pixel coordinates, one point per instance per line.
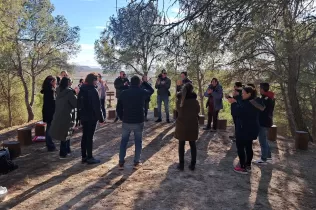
(201, 95)
(288, 110)
(33, 91)
(26, 99)
(9, 101)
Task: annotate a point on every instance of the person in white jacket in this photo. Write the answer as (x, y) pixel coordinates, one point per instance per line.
(102, 88)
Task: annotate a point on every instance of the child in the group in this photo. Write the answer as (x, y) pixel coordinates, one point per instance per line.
(266, 121)
(187, 125)
(247, 127)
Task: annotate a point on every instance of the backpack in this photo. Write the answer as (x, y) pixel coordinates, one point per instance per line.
(6, 165)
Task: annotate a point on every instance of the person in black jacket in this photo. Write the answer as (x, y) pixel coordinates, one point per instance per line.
(144, 86)
(247, 127)
(266, 121)
(130, 109)
(121, 83)
(236, 95)
(90, 113)
(49, 97)
(162, 85)
(184, 80)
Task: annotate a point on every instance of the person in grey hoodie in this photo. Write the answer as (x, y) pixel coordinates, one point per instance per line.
(214, 104)
(163, 84)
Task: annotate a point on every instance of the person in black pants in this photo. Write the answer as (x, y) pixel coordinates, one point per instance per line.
(247, 127)
(187, 125)
(146, 86)
(90, 112)
(236, 95)
(121, 83)
(49, 98)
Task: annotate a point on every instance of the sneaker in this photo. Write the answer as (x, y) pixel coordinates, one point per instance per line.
(116, 119)
(121, 166)
(137, 166)
(269, 159)
(232, 137)
(63, 157)
(180, 167)
(52, 150)
(93, 161)
(261, 162)
(168, 121)
(146, 119)
(240, 170)
(159, 120)
(192, 167)
(248, 168)
(207, 128)
(213, 130)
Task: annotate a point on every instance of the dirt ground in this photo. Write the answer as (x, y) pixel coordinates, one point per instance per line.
(43, 181)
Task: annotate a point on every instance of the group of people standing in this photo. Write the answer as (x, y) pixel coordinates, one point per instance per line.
(252, 115)
(63, 106)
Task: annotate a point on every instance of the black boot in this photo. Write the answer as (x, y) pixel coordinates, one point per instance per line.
(180, 166)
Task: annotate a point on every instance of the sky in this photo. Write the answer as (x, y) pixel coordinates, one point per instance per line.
(91, 16)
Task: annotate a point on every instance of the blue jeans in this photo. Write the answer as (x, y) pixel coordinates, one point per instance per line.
(49, 141)
(138, 135)
(165, 100)
(264, 144)
(64, 148)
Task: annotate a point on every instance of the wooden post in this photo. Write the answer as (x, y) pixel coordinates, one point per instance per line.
(175, 114)
(13, 147)
(25, 136)
(222, 124)
(201, 119)
(111, 114)
(272, 133)
(301, 140)
(155, 112)
(40, 128)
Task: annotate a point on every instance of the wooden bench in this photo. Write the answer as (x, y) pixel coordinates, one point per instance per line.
(222, 124)
(40, 128)
(301, 140)
(272, 133)
(25, 136)
(110, 94)
(13, 147)
(201, 119)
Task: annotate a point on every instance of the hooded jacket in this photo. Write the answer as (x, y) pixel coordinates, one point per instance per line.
(64, 116)
(89, 105)
(266, 116)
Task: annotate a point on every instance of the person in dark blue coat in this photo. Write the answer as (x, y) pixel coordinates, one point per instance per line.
(49, 98)
(89, 107)
(130, 109)
(145, 85)
(247, 126)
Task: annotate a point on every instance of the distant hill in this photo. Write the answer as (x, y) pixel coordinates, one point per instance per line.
(87, 69)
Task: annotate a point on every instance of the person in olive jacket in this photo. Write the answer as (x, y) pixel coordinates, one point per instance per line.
(64, 117)
(187, 125)
(247, 127)
(49, 97)
(90, 110)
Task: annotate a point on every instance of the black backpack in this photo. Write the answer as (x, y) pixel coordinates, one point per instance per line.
(6, 165)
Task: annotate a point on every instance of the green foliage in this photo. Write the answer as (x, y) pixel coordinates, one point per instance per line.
(131, 40)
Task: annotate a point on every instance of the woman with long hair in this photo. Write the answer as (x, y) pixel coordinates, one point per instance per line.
(90, 110)
(64, 117)
(187, 124)
(48, 110)
(247, 127)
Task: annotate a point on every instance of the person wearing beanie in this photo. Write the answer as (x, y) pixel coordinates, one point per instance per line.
(265, 121)
(163, 84)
